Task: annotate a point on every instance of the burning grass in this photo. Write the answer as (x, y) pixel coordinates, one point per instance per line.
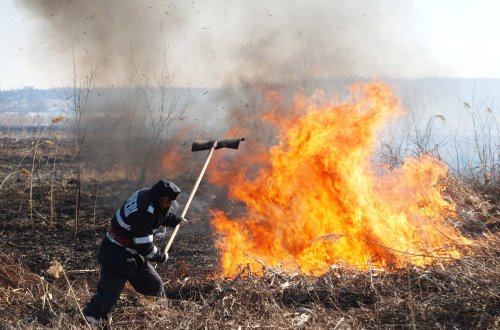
(464, 294)
(458, 292)
(322, 180)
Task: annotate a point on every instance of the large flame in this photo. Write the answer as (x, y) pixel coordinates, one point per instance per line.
(318, 199)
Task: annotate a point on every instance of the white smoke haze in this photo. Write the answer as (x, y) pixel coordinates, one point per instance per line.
(217, 43)
(224, 53)
(112, 37)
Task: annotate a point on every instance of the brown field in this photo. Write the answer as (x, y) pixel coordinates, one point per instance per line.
(37, 229)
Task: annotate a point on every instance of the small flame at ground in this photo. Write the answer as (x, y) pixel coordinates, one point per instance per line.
(317, 199)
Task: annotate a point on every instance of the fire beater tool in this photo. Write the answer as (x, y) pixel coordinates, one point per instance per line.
(200, 146)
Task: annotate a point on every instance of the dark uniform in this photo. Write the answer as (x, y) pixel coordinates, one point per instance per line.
(127, 249)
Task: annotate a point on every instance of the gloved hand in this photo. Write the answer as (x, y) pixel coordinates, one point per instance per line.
(160, 257)
(180, 220)
(173, 220)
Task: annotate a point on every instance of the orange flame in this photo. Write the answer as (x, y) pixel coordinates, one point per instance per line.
(318, 199)
(171, 161)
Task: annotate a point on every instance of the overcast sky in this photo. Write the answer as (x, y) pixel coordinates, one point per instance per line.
(213, 43)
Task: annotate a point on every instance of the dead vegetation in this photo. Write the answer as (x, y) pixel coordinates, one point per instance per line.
(459, 294)
(462, 294)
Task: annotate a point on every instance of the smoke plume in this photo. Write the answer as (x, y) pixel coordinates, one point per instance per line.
(114, 37)
(247, 48)
(225, 42)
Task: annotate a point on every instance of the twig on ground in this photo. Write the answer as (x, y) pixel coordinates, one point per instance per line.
(82, 271)
(11, 174)
(74, 297)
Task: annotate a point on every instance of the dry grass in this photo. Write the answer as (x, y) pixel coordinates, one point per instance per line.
(463, 294)
(460, 294)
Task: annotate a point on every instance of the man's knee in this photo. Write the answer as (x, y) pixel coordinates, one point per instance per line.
(149, 283)
(153, 288)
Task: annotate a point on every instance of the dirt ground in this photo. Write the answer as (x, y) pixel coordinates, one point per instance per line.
(38, 245)
(462, 294)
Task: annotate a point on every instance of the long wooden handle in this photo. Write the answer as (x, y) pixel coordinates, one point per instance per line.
(197, 183)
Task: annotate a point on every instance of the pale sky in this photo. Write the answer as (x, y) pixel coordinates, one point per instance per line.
(212, 43)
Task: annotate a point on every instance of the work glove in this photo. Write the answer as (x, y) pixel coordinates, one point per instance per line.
(160, 257)
(179, 220)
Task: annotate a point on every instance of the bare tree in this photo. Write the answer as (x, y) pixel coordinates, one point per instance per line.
(79, 101)
(162, 106)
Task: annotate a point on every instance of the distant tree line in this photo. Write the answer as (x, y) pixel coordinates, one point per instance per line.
(31, 94)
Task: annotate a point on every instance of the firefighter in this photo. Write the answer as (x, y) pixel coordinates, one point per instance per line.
(127, 249)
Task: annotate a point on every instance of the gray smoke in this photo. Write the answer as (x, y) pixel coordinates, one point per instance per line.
(250, 46)
(117, 38)
(223, 42)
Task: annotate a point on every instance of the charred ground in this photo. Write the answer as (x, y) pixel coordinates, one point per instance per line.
(459, 294)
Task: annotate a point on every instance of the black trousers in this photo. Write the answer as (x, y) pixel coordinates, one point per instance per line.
(117, 267)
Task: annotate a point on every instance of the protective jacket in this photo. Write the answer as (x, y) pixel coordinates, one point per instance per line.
(128, 245)
(135, 223)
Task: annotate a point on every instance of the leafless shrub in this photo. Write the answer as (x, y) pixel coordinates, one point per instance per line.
(160, 106)
(82, 91)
